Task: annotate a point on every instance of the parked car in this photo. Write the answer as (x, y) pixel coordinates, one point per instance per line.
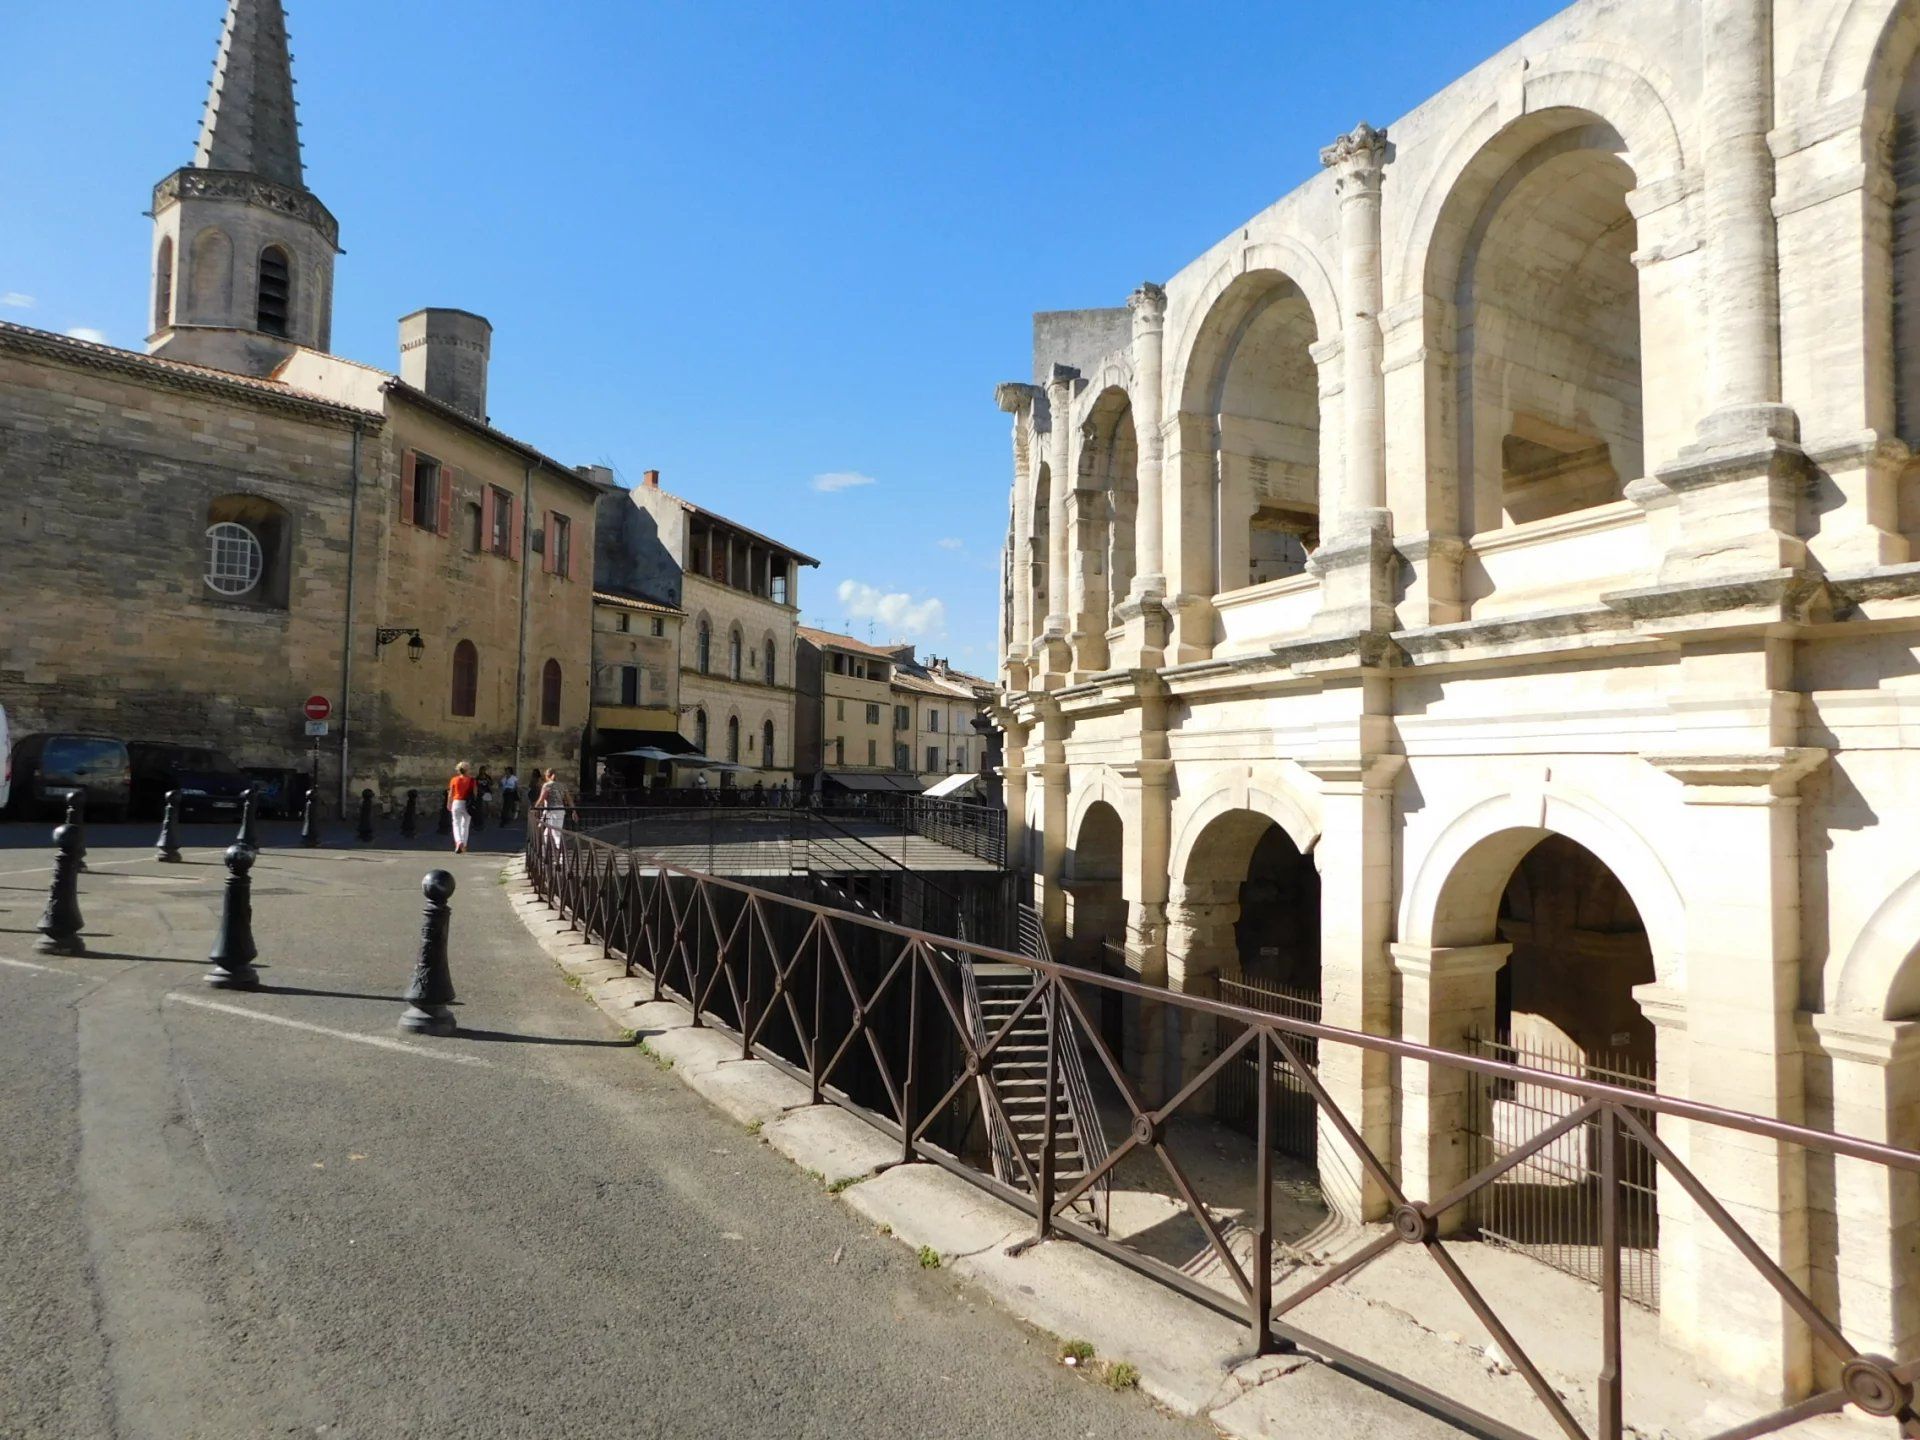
(46, 767)
(278, 792)
(211, 786)
(6, 761)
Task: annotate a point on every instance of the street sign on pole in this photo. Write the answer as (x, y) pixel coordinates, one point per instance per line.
(318, 707)
(316, 728)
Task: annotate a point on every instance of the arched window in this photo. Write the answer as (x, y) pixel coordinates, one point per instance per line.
(734, 653)
(275, 301)
(770, 669)
(247, 539)
(700, 731)
(163, 285)
(550, 693)
(703, 647)
(766, 744)
(733, 738)
(466, 679)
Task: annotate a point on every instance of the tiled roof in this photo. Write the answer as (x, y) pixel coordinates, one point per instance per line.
(637, 602)
(718, 519)
(844, 642)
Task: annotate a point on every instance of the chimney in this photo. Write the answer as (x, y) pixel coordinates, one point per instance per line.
(445, 354)
(652, 477)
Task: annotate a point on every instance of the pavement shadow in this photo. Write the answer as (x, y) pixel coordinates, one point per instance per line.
(93, 954)
(512, 1038)
(389, 997)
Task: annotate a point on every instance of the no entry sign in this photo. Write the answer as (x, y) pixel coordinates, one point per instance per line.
(318, 707)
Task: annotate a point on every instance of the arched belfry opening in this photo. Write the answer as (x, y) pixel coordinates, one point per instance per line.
(1254, 376)
(1545, 332)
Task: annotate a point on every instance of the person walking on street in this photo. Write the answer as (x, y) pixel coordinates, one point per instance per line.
(552, 805)
(482, 797)
(509, 797)
(460, 804)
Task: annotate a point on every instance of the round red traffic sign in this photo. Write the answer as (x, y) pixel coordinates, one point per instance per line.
(318, 707)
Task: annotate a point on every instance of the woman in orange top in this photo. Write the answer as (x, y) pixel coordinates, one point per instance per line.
(460, 791)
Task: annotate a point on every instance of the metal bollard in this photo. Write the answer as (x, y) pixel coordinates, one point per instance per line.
(365, 832)
(60, 923)
(410, 816)
(233, 948)
(247, 836)
(77, 821)
(167, 847)
(431, 992)
(309, 825)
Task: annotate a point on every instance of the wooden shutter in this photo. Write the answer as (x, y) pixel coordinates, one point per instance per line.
(514, 527)
(563, 565)
(408, 463)
(446, 500)
(546, 547)
(486, 517)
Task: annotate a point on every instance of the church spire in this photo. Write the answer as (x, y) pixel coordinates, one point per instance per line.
(250, 124)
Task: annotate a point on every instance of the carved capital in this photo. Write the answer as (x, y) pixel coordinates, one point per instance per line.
(1148, 304)
(1358, 156)
(1013, 396)
(1063, 378)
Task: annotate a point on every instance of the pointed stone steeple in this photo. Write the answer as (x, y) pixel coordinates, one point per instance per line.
(250, 124)
(242, 250)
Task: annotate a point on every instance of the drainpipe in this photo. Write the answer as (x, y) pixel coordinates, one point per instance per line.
(346, 641)
(520, 670)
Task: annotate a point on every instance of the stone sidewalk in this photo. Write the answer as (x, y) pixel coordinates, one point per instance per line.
(1397, 1313)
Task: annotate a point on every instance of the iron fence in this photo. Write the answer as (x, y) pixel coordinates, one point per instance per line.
(1291, 1110)
(762, 966)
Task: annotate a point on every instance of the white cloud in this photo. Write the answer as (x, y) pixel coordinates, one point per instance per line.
(14, 300)
(87, 332)
(897, 612)
(841, 480)
(951, 543)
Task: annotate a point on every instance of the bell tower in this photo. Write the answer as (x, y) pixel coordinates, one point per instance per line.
(242, 250)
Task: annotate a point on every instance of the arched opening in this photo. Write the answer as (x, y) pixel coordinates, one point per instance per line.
(772, 675)
(1110, 499)
(703, 646)
(1097, 912)
(735, 652)
(466, 680)
(766, 745)
(733, 738)
(1038, 550)
(210, 278)
(274, 301)
(1904, 161)
(1546, 324)
(1253, 373)
(249, 542)
(550, 693)
(700, 731)
(163, 285)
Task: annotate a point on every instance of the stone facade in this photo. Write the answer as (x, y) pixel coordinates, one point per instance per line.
(1503, 544)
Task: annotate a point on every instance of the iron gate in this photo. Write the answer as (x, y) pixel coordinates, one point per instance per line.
(1548, 1206)
(1237, 1097)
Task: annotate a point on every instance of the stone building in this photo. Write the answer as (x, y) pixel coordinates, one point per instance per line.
(636, 679)
(207, 534)
(935, 708)
(848, 732)
(739, 593)
(1479, 591)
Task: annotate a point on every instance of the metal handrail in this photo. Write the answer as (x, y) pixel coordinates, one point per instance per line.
(1076, 1087)
(679, 939)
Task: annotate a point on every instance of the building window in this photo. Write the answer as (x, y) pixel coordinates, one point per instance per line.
(766, 743)
(960, 757)
(620, 622)
(873, 714)
(902, 718)
(559, 545)
(234, 559)
(770, 660)
(703, 646)
(902, 757)
(629, 684)
(700, 731)
(425, 493)
(276, 292)
(475, 539)
(840, 750)
(873, 752)
(659, 626)
(501, 538)
(734, 653)
(163, 285)
(933, 757)
(779, 596)
(933, 721)
(466, 678)
(733, 738)
(550, 693)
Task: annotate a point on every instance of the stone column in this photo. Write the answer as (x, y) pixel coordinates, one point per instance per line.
(1149, 307)
(1446, 996)
(1355, 554)
(1016, 399)
(1865, 1082)
(1743, 975)
(1355, 856)
(1053, 654)
(1143, 881)
(1190, 449)
(1088, 516)
(1052, 870)
(1013, 774)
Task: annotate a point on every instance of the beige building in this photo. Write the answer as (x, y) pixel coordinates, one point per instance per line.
(934, 709)
(855, 708)
(636, 678)
(738, 591)
(207, 535)
(1495, 560)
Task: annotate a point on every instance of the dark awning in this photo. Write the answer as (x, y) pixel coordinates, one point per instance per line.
(613, 744)
(895, 783)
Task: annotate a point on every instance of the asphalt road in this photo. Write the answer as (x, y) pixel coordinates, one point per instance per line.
(271, 1214)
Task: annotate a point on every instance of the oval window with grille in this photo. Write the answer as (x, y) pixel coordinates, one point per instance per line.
(234, 559)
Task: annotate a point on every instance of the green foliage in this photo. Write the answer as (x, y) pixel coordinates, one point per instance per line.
(929, 1258)
(1123, 1375)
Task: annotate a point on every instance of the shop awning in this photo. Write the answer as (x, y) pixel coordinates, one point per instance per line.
(952, 787)
(626, 744)
(893, 783)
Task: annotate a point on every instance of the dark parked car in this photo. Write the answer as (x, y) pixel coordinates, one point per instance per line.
(210, 784)
(278, 792)
(46, 767)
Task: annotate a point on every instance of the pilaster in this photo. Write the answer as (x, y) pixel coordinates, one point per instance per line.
(1052, 653)
(1142, 612)
(1016, 399)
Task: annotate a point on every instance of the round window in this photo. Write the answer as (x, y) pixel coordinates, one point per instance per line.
(234, 561)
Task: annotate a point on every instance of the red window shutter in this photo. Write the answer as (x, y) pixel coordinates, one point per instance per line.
(486, 517)
(407, 464)
(514, 527)
(446, 500)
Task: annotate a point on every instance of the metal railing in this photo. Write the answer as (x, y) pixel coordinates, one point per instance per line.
(1292, 1111)
(761, 966)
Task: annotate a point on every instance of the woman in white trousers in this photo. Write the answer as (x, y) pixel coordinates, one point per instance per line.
(460, 806)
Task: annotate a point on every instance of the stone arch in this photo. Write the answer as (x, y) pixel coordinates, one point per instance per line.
(1281, 255)
(1880, 977)
(1101, 785)
(1267, 796)
(1865, 53)
(210, 277)
(1454, 895)
(163, 285)
(275, 292)
(1107, 480)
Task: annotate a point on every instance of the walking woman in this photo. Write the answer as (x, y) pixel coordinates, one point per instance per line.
(459, 804)
(552, 805)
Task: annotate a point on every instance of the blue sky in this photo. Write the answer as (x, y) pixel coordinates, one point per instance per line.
(748, 245)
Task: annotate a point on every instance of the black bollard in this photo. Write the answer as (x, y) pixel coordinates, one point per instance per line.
(409, 815)
(444, 825)
(431, 992)
(233, 949)
(365, 831)
(60, 922)
(77, 821)
(309, 825)
(247, 835)
(167, 847)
